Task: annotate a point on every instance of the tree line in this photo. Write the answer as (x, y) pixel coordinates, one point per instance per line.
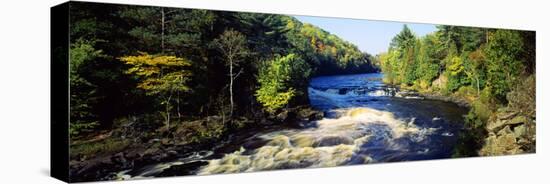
(489, 68)
(165, 64)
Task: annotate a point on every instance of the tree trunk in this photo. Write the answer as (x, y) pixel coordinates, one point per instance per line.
(167, 116)
(477, 79)
(162, 33)
(439, 78)
(178, 104)
(168, 111)
(231, 86)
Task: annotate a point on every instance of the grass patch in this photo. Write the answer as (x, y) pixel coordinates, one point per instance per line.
(105, 146)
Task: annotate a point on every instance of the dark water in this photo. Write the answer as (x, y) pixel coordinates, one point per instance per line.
(438, 122)
(365, 122)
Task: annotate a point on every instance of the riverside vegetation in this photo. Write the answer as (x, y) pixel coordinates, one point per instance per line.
(153, 84)
(148, 83)
(490, 70)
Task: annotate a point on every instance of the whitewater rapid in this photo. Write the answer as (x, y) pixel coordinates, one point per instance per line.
(365, 121)
(331, 142)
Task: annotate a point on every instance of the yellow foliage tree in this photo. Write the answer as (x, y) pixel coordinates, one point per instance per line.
(456, 65)
(161, 76)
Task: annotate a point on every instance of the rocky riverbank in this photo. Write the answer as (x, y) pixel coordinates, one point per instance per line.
(509, 132)
(405, 92)
(179, 141)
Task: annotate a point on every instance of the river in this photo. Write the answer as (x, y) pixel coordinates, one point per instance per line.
(365, 122)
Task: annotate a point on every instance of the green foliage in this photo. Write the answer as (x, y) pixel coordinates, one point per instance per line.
(390, 65)
(82, 91)
(481, 66)
(503, 60)
(276, 88)
(463, 56)
(402, 62)
(326, 52)
(455, 73)
(109, 81)
(471, 139)
(404, 40)
(428, 59)
(266, 32)
(166, 30)
(475, 69)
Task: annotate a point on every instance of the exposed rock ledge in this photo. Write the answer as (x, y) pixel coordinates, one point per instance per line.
(509, 133)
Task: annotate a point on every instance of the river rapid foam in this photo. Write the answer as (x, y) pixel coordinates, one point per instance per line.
(331, 142)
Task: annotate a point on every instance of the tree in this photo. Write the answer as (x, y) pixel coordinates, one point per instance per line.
(233, 46)
(160, 75)
(83, 93)
(403, 40)
(474, 68)
(391, 66)
(266, 33)
(450, 37)
(428, 59)
(504, 60)
(455, 73)
(275, 78)
(167, 30)
(405, 43)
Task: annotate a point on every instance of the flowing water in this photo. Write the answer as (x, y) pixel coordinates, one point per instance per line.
(365, 121)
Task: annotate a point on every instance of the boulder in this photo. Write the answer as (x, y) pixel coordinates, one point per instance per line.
(518, 120)
(184, 169)
(504, 131)
(508, 133)
(287, 115)
(121, 160)
(310, 114)
(520, 131)
(496, 125)
(333, 141)
(503, 115)
(166, 141)
(500, 145)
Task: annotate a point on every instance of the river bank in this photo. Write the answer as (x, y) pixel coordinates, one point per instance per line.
(352, 119)
(462, 101)
(119, 150)
(491, 129)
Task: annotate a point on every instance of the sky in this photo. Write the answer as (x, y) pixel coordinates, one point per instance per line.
(372, 37)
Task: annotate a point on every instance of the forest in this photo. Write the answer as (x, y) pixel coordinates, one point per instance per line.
(488, 69)
(184, 64)
(141, 72)
(160, 91)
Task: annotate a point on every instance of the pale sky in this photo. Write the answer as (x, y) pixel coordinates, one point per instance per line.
(372, 37)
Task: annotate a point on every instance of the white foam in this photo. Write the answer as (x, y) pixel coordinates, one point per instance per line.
(332, 142)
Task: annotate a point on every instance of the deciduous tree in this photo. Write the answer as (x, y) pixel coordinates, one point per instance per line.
(233, 46)
(160, 76)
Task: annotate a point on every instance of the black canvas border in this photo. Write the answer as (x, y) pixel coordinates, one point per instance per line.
(59, 92)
